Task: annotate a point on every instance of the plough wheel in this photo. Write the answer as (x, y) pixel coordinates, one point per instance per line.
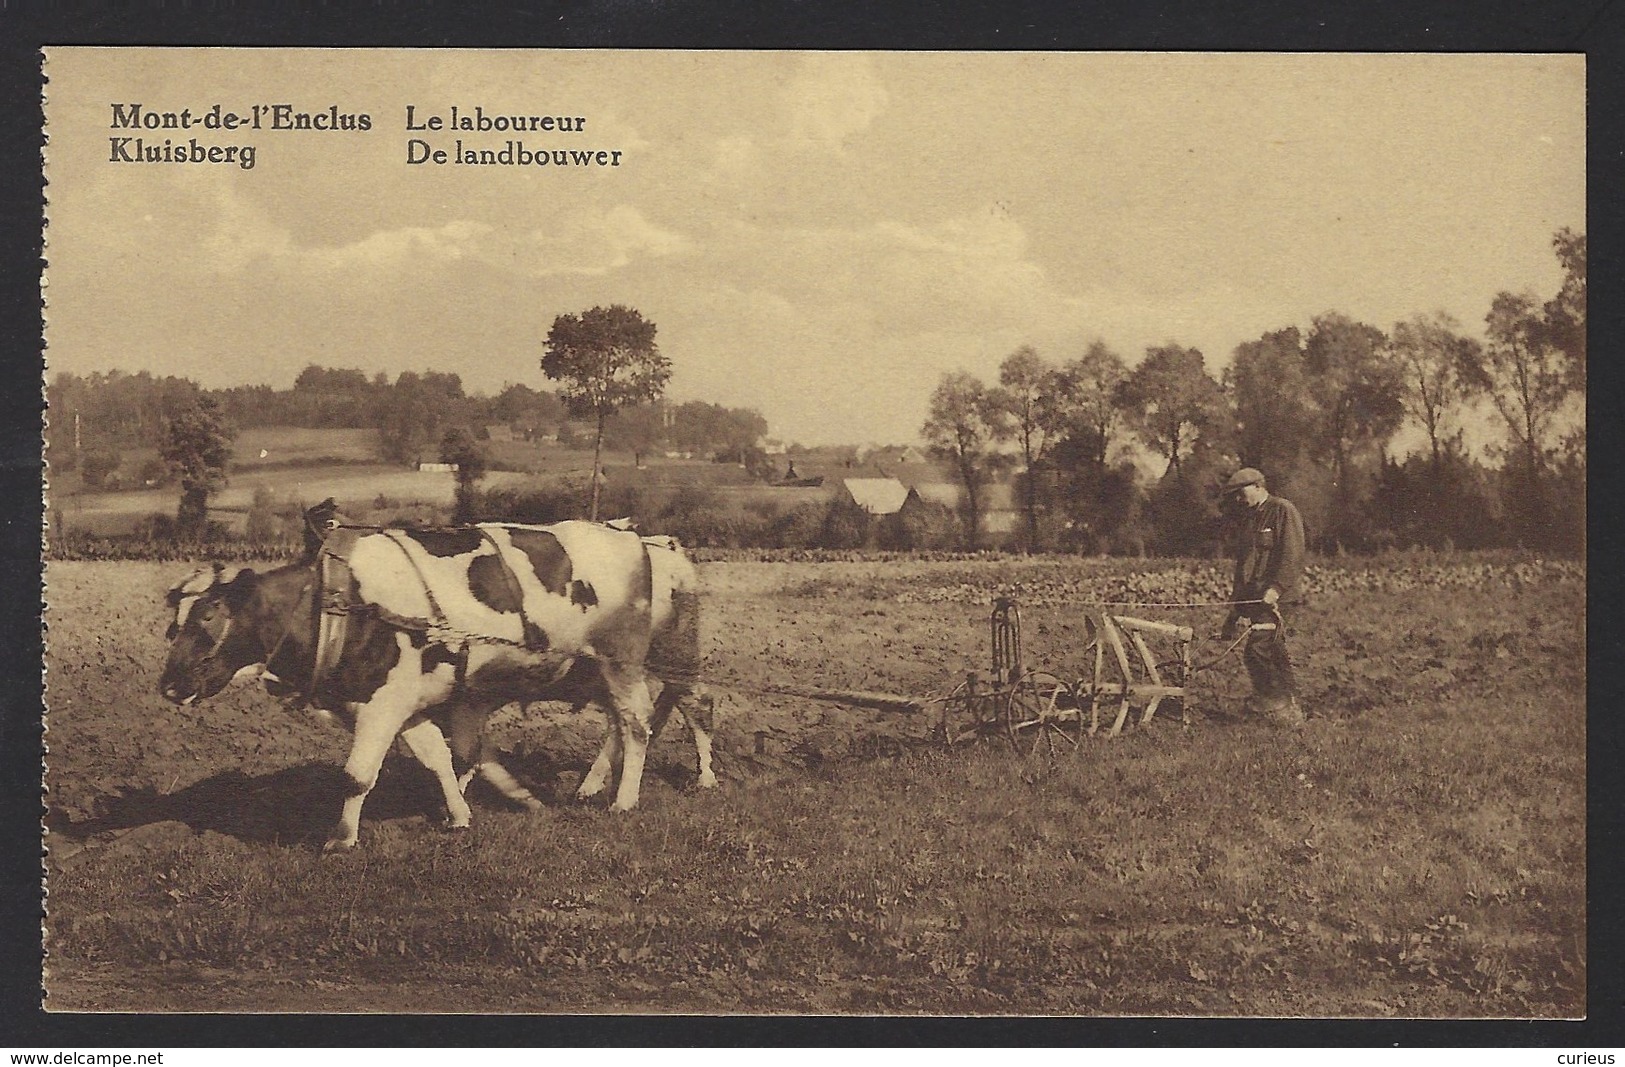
(1037, 709)
(969, 712)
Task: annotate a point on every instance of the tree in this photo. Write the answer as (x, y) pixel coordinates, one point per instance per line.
(638, 429)
(100, 461)
(411, 412)
(1274, 406)
(1027, 394)
(962, 424)
(1173, 400)
(1432, 355)
(459, 447)
(197, 447)
(529, 409)
(1085, 404)
(1522, 373)
(1083, 414)
(1357, 384)
(606, 359)
(1441, 502)
(725, 434)
(1566, 312)
(1526, 377)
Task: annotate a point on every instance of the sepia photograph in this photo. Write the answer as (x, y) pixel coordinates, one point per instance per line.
(804, 533)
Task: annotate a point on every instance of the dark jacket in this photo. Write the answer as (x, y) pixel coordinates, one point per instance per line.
(1269, 552)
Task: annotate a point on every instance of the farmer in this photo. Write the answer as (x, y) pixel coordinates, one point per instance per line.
(1268, 587)
(319, 522)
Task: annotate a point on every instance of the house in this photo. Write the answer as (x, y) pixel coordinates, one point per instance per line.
(944, 493)
(877, 496)
(438, 468)
(1001, 510)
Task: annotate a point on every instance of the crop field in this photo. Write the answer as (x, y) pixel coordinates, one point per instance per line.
(1416, 849)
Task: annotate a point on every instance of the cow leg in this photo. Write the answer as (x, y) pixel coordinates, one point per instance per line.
(428, 744)
(473, 753)
(376, 727)
(466, 729)
(695, 705)
(506, 783)
(629, 695)
(609, 752)
(698, 708)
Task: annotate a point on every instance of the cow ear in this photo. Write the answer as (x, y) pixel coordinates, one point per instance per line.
(240, 588)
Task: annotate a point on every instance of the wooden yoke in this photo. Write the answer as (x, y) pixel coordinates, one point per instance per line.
(331, 604)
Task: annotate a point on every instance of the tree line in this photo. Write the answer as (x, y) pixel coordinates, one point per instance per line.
(95, 418)
(1318, 411)
(609, 369)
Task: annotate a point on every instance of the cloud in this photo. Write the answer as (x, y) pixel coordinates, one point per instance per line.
(970, 273)
(388, 252)
(831, 98)
(580, 242)
(595, 244)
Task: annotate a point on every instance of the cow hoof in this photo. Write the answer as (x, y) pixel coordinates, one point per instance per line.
(456, 828)
(618, 806)
(708, 781)
(337, 845)
(532, 805)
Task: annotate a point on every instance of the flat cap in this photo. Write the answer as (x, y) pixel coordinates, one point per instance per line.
(1243, 478)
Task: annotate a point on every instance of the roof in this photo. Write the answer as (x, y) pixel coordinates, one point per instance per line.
(946, 493)
(877, 496)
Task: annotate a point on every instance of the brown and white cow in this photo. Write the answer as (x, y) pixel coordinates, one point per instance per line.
(444, 627)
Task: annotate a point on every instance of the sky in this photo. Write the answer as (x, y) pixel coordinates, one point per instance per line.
(817, 236)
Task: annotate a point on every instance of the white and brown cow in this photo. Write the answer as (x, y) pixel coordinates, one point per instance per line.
(444, 627)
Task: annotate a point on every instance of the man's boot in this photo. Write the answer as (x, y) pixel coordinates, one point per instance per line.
(1283, 711)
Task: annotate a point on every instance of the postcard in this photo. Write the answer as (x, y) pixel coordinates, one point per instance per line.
(798, 533)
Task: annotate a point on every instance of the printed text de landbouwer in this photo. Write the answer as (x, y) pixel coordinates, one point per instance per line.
(509, 152)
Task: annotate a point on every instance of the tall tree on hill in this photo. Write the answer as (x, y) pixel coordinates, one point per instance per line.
(962, 424)
(605, 359)
(1027, 393)
(197, 447)
(1173, 401)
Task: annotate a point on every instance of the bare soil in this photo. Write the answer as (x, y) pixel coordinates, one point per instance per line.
(1417, 849)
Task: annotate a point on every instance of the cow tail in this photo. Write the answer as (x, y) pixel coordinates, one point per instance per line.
(674, 652)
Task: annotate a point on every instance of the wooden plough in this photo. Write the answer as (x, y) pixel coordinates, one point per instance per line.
(1030, 707)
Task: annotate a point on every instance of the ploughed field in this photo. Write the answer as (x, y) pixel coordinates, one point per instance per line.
(1416, 849)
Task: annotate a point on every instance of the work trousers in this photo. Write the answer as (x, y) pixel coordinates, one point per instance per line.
(1269, 665)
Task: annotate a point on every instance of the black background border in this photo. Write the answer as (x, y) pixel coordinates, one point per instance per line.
(1592, 27)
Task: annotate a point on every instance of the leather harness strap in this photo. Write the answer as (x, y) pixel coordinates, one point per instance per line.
(332, 604)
